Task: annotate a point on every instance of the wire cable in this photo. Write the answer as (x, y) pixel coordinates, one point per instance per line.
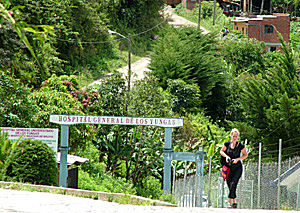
(103, 42)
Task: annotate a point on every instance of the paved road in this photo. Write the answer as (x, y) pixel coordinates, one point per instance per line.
(41, 202)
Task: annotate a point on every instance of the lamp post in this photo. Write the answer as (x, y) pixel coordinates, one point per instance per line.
(129, 47)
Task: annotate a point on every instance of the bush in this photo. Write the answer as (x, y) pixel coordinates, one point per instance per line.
(32, 161)
(185, 97)
(150, 187)
(92, 176)
(15, 107)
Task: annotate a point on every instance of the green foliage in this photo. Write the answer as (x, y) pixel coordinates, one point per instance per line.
(56, 97)
(130, 152)
(87, 24)
(19, 26)
(150, 101)
(16, 109)
(32, 161)
(243, 55)
(185, 97)
(112, 96)
(150, 187)
(6, 147)
(271, 101)
(287, 6)
(168, 198)
(133, 17)
(295, 39)
(206, 16)
(199, 130)
(92, 176)
(187, 54)
(33, 57)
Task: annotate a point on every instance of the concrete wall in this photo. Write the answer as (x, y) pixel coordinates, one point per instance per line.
(241, 26)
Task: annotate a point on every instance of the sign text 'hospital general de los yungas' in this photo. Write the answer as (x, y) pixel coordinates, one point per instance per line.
(78, 119)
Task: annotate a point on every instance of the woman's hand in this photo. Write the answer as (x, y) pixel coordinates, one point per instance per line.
(234, 161)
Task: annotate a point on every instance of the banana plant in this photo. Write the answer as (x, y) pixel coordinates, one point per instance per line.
(19, 26)
(214, 149)
(6, 147)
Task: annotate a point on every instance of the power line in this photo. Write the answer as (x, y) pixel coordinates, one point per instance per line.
(88, 42)
(103, 42)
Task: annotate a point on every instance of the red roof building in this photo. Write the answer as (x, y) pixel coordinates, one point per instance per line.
(264, 27)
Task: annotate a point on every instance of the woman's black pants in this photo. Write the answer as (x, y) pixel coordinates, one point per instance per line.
(233, 179)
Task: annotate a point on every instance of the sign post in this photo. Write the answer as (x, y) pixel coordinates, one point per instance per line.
(167, 123)
(64, 143)
(167, 159)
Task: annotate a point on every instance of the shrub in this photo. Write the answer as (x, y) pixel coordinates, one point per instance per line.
(32, 161)
(92, 176)
(150, 187)
(15, 107)
(185, 97)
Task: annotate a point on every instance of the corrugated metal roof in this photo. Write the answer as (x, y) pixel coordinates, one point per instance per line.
(72, 159)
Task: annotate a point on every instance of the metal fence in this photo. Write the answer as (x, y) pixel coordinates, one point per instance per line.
(258, 187)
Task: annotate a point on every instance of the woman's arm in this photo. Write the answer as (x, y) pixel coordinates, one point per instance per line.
(222, 152)
(244, 156)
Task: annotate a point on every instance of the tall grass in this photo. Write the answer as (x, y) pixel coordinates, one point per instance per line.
(206, 16)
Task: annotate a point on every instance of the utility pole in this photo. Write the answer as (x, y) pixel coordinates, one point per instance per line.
(199, 15)
(214, 17)
(129, 54)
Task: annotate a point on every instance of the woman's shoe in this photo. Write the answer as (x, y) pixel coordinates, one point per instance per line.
(234, 205)
(230, 206)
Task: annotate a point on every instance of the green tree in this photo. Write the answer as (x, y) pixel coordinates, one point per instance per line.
(128, 151)
(185, 97)
(21, 47)
(6, 147)
(78, 21)
(271, 103)
(32, 161)
(185, 53)
(16, 109)
(56, 96)
(243, 55)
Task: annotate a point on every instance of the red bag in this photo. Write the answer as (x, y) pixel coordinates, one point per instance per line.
(225, 172)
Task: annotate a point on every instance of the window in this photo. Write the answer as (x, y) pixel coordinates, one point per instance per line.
(268, 29)
(272, 49)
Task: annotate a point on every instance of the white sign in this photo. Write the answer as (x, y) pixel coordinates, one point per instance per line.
(48, 136)
(89, 119)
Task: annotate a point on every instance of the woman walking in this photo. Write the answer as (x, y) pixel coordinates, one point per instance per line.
(231, 157)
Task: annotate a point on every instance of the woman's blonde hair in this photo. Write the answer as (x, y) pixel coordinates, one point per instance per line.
(234, 130)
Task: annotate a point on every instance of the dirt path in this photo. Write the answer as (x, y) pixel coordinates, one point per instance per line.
(140, 67)
(179, 21)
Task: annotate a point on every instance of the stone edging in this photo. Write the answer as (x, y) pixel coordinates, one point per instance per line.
(105, 196)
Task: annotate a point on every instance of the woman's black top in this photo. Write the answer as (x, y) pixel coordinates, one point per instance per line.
(232, 153)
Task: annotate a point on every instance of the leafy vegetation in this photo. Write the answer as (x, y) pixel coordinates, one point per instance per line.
(274, 109)
(185, 53)
(51, 50)
(17, 110)
(6, 148)
(206, 16)
(31, 161)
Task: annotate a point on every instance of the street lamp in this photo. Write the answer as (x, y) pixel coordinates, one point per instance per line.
(129, 47)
